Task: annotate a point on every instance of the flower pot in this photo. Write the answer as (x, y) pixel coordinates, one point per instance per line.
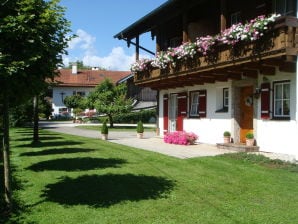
(250, 142)
(104, 136)
(140, 135)
(227, 139)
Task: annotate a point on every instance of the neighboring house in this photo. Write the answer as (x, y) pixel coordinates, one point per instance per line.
(144, 97)
(74, 81)
(249, 86)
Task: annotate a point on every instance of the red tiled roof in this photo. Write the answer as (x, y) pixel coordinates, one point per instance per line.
(87, 77)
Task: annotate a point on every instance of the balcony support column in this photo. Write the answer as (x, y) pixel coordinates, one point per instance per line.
(223, 15)
(137, 48)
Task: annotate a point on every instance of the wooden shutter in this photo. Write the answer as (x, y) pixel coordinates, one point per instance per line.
(203, 103)
(265, 100)
(182, 110)
(165, 113)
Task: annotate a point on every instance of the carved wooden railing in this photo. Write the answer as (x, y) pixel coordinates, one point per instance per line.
(280, 40)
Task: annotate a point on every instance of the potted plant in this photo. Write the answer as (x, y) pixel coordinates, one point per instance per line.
(227, 137)
(140, 129)
(104, 131)
(250, 140)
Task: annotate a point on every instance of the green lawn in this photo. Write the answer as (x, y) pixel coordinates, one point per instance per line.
(115, 128)
(78, 180)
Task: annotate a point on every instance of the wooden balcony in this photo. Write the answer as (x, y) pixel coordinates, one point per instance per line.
(277, 48)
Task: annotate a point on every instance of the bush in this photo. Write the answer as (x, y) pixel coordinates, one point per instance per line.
(249, 135)
(140, 127)
(134, 117)
(104, 128)
(180, 138)
(227, 134)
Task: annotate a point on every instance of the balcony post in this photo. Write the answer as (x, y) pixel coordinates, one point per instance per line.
(137, 48)
(223, 15)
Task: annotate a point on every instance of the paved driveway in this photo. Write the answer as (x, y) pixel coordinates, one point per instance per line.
(150, 142)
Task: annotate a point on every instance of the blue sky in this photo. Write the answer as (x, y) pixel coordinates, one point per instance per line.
(96, 22)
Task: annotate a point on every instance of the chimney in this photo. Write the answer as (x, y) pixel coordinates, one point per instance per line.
(74, 69)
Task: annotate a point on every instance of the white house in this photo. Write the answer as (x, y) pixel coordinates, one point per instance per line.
(73, 81)
(214, 74)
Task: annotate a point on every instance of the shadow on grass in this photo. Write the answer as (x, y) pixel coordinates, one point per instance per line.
(107, 190)
(57, 151)
(41, 138)
(76, 164)
(49, 144)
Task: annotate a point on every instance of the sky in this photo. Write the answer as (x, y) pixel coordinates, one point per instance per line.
(95, 22)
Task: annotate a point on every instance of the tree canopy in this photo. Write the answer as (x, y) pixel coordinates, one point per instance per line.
(33, 38)
(110, 99)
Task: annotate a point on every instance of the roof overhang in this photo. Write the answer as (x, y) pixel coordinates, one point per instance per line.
(163, 13)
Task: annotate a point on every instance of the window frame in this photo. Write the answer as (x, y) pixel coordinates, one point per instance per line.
(225, 90)
(282, 116)
(192, 93)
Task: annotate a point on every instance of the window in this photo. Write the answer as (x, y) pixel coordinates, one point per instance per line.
(194, 106)
(281, 100)
(198, 104)
(226, 98)
(80, 93)
(235, 18)
(284, 7)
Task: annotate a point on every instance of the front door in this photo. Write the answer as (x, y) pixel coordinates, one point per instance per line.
(246, 111)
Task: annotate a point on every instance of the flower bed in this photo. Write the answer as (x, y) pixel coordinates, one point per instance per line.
(180, 138)
(248, 32)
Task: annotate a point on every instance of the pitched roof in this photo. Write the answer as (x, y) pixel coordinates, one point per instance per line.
(87, 78)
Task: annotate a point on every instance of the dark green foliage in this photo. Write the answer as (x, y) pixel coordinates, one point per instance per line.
(75, 101)
(249, 135)
(104, 128)
(227, 134)
(134, 117)
(140, 127)
(110, 100)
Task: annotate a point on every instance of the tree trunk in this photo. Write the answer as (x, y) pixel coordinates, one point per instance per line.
(6, 153)
(35, 120)
(111, 120)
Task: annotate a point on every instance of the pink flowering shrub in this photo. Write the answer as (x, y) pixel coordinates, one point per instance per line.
(180, 138)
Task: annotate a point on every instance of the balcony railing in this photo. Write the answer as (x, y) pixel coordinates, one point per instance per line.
(280, 41)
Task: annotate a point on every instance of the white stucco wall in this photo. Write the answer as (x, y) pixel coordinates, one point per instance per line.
(278, 136)
(68, 91)
(210, 129)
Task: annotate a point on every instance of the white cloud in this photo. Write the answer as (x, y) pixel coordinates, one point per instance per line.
(117, 59)
(84, 41)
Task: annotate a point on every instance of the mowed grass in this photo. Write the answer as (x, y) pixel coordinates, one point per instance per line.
(67, 179)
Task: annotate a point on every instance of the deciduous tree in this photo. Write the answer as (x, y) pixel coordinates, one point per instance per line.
(110, 99)
(33, 37)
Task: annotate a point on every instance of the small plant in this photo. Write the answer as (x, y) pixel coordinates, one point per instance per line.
(140, 127)
(227, 134)
(104, 128)
(249, 135)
